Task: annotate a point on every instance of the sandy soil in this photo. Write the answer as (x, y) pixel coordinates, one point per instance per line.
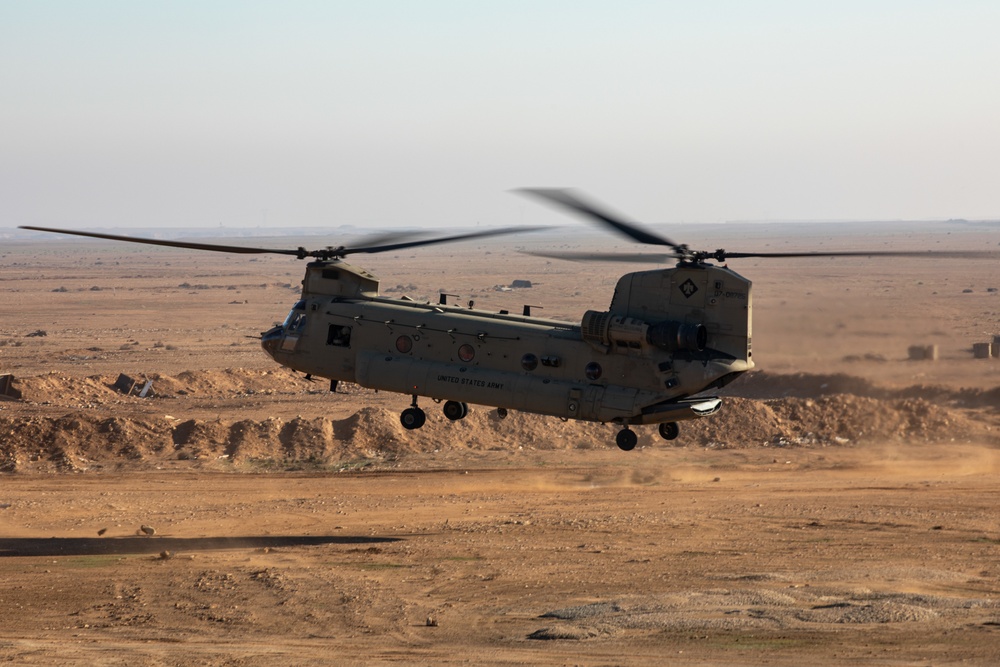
(840, 510)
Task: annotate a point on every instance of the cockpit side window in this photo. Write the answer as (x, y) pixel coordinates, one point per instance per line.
(297, 311)
(339, 335)
(296, 324)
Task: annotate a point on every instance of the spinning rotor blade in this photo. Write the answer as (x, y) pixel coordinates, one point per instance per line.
(172, 244)
(441, 239)
(637, 258)
(375, 244)
(722, 255)
(575, 202)
(388, 237)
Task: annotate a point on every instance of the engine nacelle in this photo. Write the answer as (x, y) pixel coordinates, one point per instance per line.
(672, 336)
(606, 330)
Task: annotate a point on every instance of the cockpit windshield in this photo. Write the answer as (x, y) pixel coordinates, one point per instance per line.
(296, 319)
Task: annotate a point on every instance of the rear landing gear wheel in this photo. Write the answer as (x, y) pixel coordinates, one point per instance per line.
(626, 439)
(454, 410)
(502, 413)
(412, 418)
(669, 430)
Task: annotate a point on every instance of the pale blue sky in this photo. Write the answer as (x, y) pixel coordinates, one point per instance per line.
(140, 114)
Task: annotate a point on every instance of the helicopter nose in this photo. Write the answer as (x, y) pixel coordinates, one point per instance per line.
(271, 339)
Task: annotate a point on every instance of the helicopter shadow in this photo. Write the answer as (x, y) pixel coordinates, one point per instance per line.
(93, 546)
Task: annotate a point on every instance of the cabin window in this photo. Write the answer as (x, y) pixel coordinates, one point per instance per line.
(339, 336)
(466, 353)
(404, 344)
(593, 371)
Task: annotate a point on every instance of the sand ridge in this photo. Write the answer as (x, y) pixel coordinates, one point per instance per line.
(96, 435)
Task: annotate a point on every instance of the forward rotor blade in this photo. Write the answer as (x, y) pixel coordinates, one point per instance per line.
(388, 237)
(301, 253)
(575, 202)
(171, 244)
(442, 239)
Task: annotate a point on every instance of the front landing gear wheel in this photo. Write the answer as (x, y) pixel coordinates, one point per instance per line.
(626, 439)
(502, 413)
(454, 410)
(669, 430)
(412, 418)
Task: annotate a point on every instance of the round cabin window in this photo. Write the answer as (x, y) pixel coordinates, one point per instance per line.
(593, 370)
(466, 353)
(529, 362)
(404, 344)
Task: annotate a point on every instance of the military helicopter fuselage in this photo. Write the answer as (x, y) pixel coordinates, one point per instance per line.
(668, 334)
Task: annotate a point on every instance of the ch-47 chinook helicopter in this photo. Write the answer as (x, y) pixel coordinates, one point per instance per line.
(668, 336)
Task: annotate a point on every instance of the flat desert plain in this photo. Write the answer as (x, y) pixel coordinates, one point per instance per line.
(840, 509)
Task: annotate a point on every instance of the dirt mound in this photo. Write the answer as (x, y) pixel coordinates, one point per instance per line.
(836, 419)
(193, 439)
(84, 440)
(249, 439)
(239, 382)
(228, 381)
(761, 410)
(75, 441)
(53, 387)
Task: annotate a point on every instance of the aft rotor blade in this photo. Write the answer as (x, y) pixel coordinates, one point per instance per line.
(722, 255)
(442, 239)
(925, 254)
(575, 202)
(636, 258)
(172, 244)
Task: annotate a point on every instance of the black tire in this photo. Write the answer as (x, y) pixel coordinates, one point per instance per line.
(502, 413)
(669, 430)
(454, 410)
(626, 440)
(412, 418)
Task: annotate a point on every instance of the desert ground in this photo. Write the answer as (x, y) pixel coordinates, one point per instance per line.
(840, 509)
